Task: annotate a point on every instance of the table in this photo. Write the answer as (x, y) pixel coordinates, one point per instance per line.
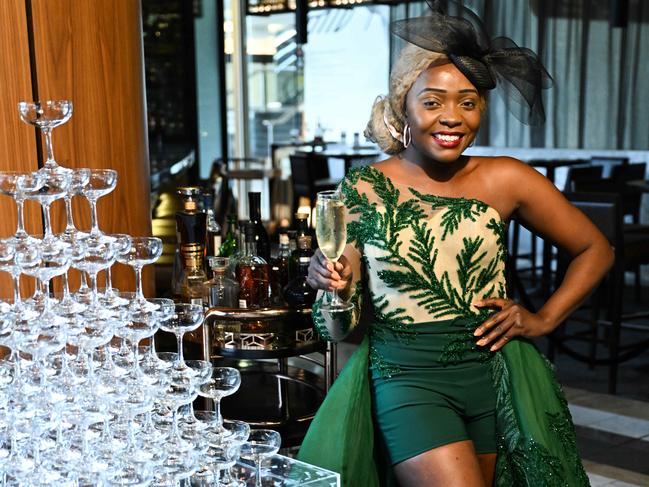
(288, 472)
(639, 185)
(346, 153)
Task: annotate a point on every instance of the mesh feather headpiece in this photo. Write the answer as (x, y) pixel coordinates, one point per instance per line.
(487, 63)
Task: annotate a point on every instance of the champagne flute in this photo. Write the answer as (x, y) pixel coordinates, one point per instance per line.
(331, 232)
(46, 115)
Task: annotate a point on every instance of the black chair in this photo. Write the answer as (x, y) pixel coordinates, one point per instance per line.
(604, 319)
(309, 175)
(620, 176)
(630, 201)
(579, 176)
(608, 162)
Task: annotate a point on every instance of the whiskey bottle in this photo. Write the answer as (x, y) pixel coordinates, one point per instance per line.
(261, 235)
(193, 277)
(252, 273)
(190, 231)
(191, 222)
(298, 293)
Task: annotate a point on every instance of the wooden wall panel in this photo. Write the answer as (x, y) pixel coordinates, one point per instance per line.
(91, 53)
(17, 140)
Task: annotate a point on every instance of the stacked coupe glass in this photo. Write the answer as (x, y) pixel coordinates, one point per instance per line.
(81, 402)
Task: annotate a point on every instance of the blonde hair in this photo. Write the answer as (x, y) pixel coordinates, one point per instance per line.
(387, 119)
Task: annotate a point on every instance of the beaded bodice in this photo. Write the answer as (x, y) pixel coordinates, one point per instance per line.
(427, 258)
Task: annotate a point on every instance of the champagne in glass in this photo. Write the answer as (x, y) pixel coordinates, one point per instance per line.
(331, 231)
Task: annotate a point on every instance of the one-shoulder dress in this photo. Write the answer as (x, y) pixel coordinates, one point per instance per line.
(418, 380)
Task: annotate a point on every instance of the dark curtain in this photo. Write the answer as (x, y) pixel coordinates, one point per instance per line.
(601, 72)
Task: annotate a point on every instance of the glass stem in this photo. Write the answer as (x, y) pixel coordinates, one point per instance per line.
(20, 228)
(94, 226)
(46, 218)
(46, 296)
(136, 359)
(109, 281)
(16, 283)
(335, 299)
(179, 339)
(69, 227)
(174, 423)
(66, 286)
(258, 476)
(217, 408)
(47, 132)
(93, 289)
(152, 352)
(83, 283)
(139, 295)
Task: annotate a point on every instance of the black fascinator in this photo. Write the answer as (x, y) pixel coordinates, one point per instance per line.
(459, 34)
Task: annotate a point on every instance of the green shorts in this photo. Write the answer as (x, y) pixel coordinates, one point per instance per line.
(442, 393)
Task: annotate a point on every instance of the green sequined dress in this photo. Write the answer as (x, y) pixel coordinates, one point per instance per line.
(425, 260)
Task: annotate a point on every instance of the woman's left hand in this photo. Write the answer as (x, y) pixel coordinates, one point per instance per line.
(512, 320)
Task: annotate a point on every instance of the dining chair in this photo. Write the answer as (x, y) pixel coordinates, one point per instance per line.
(601, 320)
(608, 162)
(309, 175)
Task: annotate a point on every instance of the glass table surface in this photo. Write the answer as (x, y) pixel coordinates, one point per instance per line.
(284, 471)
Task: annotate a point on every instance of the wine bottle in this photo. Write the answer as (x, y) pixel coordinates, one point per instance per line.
(261, 235)
(230, 244)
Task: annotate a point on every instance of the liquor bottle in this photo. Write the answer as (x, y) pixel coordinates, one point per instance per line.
(190, 233)
(213, 230)
(193, 276)
(252, 274)
(230, 243)
(221, 291)
(279, 271)
(261, 235)
(298, 293)
(191, 222)
(302, 230)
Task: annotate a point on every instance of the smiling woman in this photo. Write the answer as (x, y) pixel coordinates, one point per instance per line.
(457, 393)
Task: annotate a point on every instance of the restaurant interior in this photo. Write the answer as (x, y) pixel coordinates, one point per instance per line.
(273, 97)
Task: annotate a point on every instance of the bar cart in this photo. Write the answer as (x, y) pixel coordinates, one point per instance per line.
(259, 343)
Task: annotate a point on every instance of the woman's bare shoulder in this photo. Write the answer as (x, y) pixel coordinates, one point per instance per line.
(387, 166)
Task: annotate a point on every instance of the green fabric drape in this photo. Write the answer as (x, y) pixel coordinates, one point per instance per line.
(536, 437)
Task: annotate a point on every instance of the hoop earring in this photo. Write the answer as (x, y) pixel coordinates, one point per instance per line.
(407, 136)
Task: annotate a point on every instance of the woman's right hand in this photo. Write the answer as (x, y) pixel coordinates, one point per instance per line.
(327, 275)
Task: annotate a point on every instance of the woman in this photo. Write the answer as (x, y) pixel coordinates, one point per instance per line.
(455, 395)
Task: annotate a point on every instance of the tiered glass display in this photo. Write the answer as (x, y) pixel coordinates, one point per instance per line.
(81, 402)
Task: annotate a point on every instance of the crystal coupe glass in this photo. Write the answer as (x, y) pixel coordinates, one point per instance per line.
(46, 116)
(101, 183)
(261, 444)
